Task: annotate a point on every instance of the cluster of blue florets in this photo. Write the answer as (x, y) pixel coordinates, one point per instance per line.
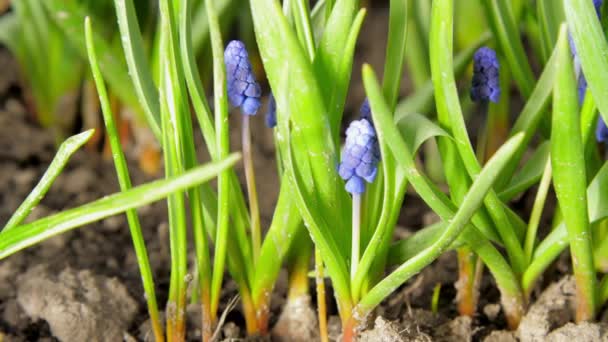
(486, 84)
(361, 153)
(243, 89)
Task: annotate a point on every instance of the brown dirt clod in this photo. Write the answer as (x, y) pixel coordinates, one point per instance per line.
(78, 305)
(552, 309)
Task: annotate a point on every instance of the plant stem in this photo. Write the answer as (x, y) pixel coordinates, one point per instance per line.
(249, 311)
(298, 266)
(322, 307)
(537, 210)
(467, 295)
(251, 188)
(356, 235)
(349, 330)
(569, 179)
(435, 298)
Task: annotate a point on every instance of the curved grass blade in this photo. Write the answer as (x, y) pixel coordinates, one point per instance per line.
(29, 234)
(472, 201)
(450, 114)
(529, 174)
(415, 129)
(439, 203)
(66, 150)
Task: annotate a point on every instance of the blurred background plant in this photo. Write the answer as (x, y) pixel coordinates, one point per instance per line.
(58, 89)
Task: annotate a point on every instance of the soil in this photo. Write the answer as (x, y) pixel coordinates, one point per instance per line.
(85, 286)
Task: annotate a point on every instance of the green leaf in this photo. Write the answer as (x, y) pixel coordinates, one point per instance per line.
(395, 50)
(473, 200)
(422, 100)
(435, 199)
(407, 248)
(591, 47)
(552, 246)
(416, 129)
(449, 113)
(504, 26)
(332, 79)
(320, 232)
(550, 15)
(27, 235)
(569, 178)
(66, 150)
(137, 63)
(531, 116)
(529, 174)
(315, 150)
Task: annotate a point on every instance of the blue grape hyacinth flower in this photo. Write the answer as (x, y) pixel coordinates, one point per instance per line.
(271, 114)
(486, 83)
(360, 156)
(243, 89)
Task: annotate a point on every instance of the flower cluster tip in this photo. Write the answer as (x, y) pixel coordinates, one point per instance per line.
(486, 83)
(243, 89)
(360, 156)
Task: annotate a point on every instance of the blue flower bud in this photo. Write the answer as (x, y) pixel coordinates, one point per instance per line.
(360, 156)
(601, 131)
(486, 83)
(243, 89)
(366, 111)
(271, 114)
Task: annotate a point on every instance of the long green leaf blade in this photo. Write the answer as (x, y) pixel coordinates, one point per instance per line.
(27, 235)
(569, 179)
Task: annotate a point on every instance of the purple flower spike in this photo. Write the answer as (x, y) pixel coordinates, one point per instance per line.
(243, 89)
(360, 156)
(601, 131)
(486, 84)
(271, 114)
